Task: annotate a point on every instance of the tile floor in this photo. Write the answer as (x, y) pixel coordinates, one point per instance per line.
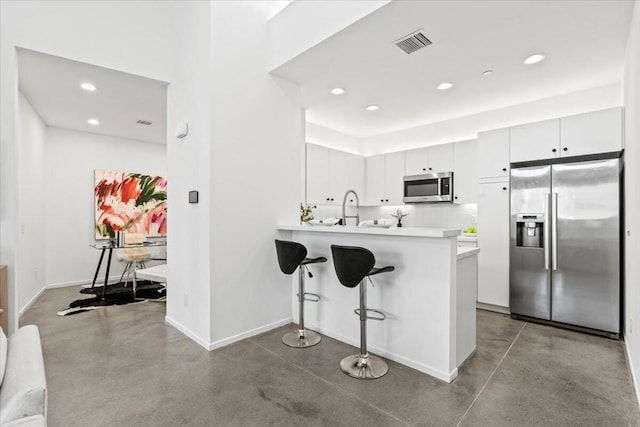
(123, 366)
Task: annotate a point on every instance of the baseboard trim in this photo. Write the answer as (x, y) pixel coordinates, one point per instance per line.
(633, 373)
(30, 302)
(186, 331)
(492, 307)
(99, 282)
(229, 340)
(250, 333)
(425, 369)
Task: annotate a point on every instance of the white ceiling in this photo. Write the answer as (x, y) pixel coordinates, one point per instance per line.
(52, 86)
(584, 41)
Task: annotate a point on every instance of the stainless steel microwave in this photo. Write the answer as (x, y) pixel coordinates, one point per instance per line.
(429, 188)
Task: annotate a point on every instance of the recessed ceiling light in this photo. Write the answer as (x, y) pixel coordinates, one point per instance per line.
(534, 59)
(487, 72)
(93, 122)
(445, 86)
(372, 107)
(89, 87)
(337, 91)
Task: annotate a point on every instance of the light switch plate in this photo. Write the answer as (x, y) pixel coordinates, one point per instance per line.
(182, 130)
(193, 196)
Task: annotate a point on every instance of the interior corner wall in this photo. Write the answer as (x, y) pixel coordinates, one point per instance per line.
(256, 138)
(189, 165)
(82, 31)
(631, 85)
(467, 127)
(331, 138)
(70, 159)
(32, 210)
(303, 24)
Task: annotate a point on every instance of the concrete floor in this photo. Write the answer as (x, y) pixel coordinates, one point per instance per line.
(123, 366)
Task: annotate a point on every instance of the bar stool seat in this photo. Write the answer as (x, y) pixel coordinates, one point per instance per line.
(353, 266)
(292, 256)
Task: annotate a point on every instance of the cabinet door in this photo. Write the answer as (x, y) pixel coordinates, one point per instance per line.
(416, 161)
(317, 174)
(591, 133)
(338, 176)
(535, 141)
(441, 158)
(465, 175)
(493, 241)
(493, 154)
(356, 178)
(374, 173)
(393, 178)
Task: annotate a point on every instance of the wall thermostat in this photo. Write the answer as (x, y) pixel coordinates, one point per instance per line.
(193, 196)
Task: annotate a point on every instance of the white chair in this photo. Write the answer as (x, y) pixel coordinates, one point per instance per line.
(135, 257)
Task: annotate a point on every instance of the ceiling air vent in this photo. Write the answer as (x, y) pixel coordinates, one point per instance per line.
(412, 42)
(144, 122)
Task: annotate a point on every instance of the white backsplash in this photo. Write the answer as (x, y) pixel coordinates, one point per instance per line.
(420, 215)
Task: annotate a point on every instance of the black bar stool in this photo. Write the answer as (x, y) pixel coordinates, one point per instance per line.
(353, 266)
(292, 255)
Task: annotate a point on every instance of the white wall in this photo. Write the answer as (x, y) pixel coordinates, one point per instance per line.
(130, 36)
(189, 163)
(467, 127)
(71, 158)
(256, 138)
(303, 24)
(632, 195)
(331, 138)
(32, 207)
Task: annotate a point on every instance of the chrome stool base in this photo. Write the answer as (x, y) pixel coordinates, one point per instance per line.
(301, 339)
(367, 367)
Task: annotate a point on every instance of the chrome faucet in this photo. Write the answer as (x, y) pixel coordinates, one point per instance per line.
(344, 206)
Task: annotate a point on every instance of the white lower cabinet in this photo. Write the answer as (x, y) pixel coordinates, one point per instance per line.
(493, 241)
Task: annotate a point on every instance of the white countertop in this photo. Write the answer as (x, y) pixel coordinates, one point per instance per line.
(467, 252)
(404, 231)
(464, 238)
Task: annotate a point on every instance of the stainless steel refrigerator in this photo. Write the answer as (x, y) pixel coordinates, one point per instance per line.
(565, 253)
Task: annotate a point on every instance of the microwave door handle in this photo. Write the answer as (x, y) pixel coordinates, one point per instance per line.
(439, 185)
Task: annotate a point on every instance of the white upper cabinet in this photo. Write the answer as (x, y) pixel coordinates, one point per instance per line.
(355, 180)
(394, 174)
(374, 184)
(416, 161)
(330, 173)
(465, 175)
(317, 174)
(338, 176)
(493, 154)
(591, 133)
(384, 184)
(535, 141)
(433, 159)
(440, 158)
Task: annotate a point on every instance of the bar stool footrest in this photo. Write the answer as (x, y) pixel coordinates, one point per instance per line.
(382, 316)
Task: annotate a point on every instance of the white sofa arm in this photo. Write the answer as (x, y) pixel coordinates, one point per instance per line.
(24, 388)
(33, 421)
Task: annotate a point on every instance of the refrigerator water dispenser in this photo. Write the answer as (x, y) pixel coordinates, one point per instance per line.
(530, 230)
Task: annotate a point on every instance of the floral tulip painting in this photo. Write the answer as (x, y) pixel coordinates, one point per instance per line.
(130, 202)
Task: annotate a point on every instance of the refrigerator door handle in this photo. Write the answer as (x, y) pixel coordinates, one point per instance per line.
(554, 231)
(547, 232)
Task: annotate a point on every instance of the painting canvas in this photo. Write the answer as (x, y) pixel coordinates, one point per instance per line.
(130, 202)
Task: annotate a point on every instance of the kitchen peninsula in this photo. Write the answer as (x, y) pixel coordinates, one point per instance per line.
(429, 299)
